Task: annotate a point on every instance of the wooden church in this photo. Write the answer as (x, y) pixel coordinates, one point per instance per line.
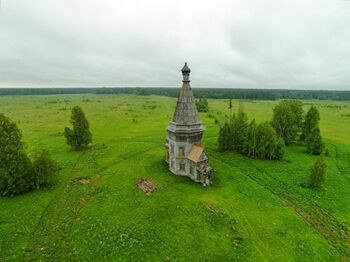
(184, 150)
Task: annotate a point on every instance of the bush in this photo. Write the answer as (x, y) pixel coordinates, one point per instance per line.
(80, 136)
(280, 149)
(44, 168)
(311, 132)
(318, 172)
(17, 173)
(268, 145)
(202, 105)
(314, 142)
(312, 119)
(250, 148)
(15, 167)
(288, 119)
(224, 140)
(239, 132)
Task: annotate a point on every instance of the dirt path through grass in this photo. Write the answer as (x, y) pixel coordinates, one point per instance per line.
(51, 235)
(50, 238)
(337, 235)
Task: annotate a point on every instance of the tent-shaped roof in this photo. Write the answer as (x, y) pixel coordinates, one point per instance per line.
(186, 110)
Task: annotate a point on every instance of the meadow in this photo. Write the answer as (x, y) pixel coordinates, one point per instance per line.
(256, 210)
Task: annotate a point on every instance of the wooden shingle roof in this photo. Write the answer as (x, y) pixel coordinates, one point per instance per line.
(186, 110)
(195, 153)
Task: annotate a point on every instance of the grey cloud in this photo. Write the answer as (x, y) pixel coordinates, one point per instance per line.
(241, 44)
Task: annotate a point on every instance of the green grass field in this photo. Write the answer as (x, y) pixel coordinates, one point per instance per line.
(255, 211)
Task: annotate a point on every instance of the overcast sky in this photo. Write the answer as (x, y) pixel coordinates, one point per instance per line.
(238, 44)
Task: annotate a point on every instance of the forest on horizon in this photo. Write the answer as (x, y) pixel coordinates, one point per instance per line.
(218, 93)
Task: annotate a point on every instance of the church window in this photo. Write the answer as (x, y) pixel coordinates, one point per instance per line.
(182, 166)
(181, 151)
(193, 169)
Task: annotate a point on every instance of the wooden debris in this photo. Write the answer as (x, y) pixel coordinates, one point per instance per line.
(146, 186)
(210, 207)
(237, 241)
(82, 180)
(233, 229)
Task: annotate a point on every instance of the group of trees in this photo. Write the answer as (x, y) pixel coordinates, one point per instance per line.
(290, 125)
(18, 173)
(311, 135)
(251, 139)
(311, 132)
(267, 140)
(202, 105)
(288, 120)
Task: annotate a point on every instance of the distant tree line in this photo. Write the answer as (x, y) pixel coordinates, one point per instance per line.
(220, 93)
